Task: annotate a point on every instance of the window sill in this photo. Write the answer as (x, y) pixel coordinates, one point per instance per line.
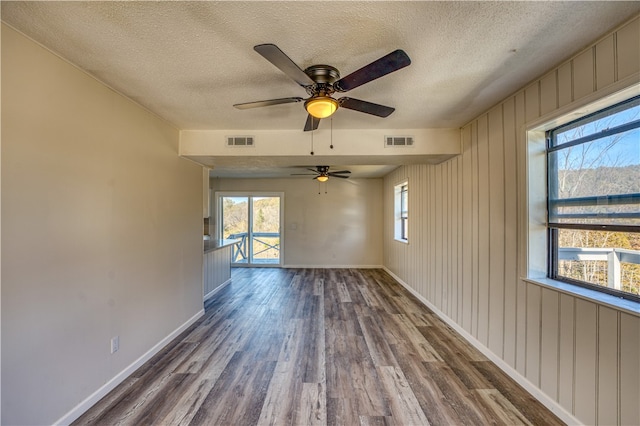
(624, 305)
(401, 241)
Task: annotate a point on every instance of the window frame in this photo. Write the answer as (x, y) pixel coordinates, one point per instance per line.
(401, 212)
(534, 253)
(404, 212)
(554, 226)
(532, 248)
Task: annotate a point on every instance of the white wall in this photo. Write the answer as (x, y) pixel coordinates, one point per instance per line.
(101, 233)
(467, 247)
(340, 228)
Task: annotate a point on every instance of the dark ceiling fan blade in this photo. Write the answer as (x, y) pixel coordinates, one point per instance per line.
(268, 102)
(338, 176)
(301, 174)
(366, 107)
(342, 171)
(277, 57)
(312, 123)
(387, 64)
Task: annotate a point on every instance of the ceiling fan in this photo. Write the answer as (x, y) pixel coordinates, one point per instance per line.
(322, 81)
(322, 173)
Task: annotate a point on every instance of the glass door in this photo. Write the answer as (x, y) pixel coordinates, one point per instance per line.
(234, 225)
(255, 221)
(265, 230)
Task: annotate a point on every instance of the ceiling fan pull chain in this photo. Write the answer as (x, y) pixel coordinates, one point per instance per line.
(312, 143)
(331, 146)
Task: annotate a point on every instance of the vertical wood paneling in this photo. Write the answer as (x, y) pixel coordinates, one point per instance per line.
(460, 229)
(387, 215)
(583, 70)
(467, 248)
(534, 305)
(629, 371)
(566, 341)
(521, 286)
(548, 93)
(411, 260)
(421, 230)
(521, 306)
(565, 86)
(607, 392)
(584, 392)
(605, 62)
(447, 243)
(628, 53)
(484, 230)
(426, 230)
(439, 225)
(421, 193)
(216, 269)
(532, 102)
(510, 227)
(549, 343)
(496, 227)
(454, 260)
(433, 207)
(444, 298)
(406, 261)
(467, 229)
(474, 229)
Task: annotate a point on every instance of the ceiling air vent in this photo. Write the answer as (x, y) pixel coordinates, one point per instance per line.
(246, 141)
(400, 141)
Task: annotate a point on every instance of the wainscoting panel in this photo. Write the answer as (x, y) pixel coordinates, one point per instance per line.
(216, 270)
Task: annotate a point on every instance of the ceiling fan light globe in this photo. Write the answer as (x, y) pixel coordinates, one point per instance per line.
(323, 178)
(321, 106)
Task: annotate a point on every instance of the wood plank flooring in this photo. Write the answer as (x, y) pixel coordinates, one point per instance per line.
(317, 347)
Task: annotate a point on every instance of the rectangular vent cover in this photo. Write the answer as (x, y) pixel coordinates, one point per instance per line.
(402, 141)
(245, 141)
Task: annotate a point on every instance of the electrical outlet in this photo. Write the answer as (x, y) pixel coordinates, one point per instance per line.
(115, 344)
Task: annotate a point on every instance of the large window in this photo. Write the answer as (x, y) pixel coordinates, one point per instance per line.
(401, 212)
(593, 200)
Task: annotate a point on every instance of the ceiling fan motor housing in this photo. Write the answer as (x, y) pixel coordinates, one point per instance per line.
(324, 76)
(323, 73)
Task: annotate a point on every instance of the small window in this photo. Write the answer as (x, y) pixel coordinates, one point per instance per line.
(593, 202)
(401, 212)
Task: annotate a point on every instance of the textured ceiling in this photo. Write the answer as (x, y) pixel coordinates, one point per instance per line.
(189, 62)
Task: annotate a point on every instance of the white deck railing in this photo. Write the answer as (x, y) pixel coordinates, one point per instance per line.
(613, 257)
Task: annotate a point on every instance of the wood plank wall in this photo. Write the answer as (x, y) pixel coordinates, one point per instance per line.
(467, 250)
(216, 270)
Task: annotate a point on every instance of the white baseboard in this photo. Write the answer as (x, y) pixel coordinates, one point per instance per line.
(552, 405)
(332, 266)
(215, 290)
(81, 408)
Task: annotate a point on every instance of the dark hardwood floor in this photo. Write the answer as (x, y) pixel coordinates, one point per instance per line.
(318, 346)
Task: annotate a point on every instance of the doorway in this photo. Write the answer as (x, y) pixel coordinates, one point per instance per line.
(255, 220)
